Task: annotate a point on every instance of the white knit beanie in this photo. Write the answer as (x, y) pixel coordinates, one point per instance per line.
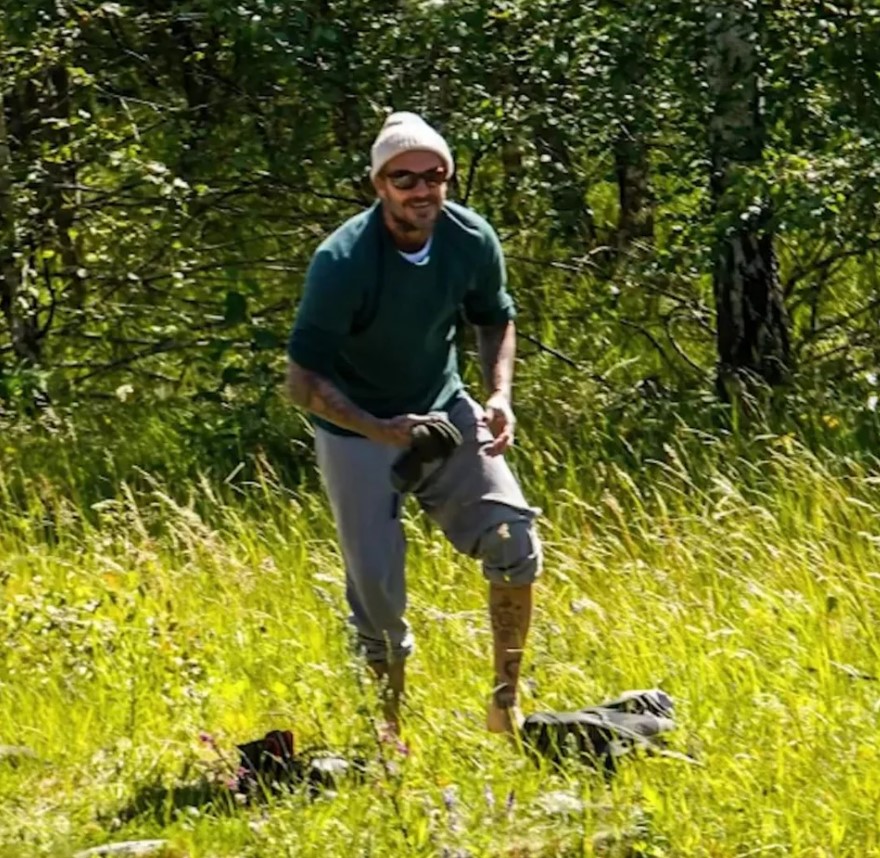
(403, 132)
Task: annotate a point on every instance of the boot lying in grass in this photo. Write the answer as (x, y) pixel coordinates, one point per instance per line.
(271, 764)
(268, 762)
(600, 735)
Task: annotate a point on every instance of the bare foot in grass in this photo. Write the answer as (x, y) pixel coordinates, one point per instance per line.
(501, 719)
(388, 734)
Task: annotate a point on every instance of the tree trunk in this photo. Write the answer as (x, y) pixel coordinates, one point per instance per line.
(513, 171)
(635, 220)
(574, 217)
(191, 51)
(61, 197)
(9, 277)
(753, 337)
(23, 332)
(631, 84)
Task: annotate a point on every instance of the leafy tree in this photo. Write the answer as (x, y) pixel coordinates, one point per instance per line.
(678, 185)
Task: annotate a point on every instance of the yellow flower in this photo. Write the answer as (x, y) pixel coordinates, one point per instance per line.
(785, 442)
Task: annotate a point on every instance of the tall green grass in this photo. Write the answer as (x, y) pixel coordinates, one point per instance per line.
(739, 572)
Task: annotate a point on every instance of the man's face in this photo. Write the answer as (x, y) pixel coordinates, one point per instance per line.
(413, 209)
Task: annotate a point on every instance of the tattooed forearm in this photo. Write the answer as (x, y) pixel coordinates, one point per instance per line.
(497, 348)
(317, 394)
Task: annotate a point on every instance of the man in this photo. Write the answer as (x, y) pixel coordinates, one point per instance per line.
(372, 356)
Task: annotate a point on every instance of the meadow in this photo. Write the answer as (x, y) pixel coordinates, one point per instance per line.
(151, 622)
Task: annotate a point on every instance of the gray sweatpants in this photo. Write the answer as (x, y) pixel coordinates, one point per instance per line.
(474, 498)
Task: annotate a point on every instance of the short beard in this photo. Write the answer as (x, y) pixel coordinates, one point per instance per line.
(404, 225)
(405, 228)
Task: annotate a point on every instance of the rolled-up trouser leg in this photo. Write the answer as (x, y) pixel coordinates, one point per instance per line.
(366, 509)
(477, 501)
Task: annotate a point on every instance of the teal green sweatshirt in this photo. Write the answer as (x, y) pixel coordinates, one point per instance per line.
(382, 329)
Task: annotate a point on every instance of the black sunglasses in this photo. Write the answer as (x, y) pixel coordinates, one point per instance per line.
(406, 180)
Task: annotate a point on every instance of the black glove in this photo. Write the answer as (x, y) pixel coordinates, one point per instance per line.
(430, 442)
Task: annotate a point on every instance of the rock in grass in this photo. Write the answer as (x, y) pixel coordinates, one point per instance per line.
(127, 849)
(560, 803)
(16, 754)
(623, 844)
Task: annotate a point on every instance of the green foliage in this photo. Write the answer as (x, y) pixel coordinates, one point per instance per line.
(168, 189)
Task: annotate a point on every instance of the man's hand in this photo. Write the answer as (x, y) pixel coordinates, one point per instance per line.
(501, 422)
(397, 431)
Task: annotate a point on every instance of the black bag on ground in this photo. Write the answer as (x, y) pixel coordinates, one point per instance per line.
(600, 735)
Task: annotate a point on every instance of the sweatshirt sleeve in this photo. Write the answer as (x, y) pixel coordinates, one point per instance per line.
(324, 316)
(488, 302)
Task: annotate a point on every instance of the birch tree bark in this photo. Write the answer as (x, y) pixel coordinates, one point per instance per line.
(752, 324)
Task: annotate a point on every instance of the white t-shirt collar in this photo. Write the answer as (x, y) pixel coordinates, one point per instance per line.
(420, 257)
